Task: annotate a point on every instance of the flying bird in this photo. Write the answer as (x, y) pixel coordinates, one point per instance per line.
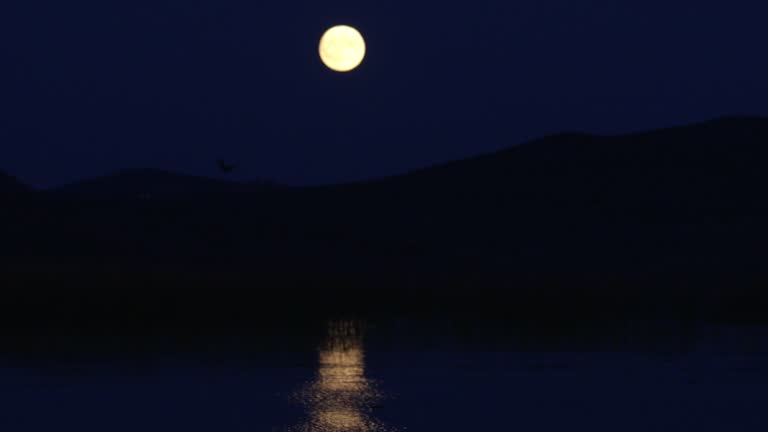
(225, 167)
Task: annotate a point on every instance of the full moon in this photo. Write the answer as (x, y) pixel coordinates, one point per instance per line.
(342, 48)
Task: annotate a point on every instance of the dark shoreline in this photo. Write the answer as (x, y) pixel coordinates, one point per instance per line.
(47, 313)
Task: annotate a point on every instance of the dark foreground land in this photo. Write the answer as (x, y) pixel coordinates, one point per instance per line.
(120, 313)
(574, 232)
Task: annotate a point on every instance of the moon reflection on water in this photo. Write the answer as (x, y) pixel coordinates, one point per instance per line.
(341, 398)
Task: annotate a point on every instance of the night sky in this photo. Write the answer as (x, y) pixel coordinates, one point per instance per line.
(91, 86)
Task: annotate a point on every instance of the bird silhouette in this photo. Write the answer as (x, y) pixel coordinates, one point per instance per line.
(225, 167)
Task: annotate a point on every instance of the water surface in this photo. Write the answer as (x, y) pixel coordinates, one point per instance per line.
(361, 378)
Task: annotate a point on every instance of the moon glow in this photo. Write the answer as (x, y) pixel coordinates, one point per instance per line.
(342, 48)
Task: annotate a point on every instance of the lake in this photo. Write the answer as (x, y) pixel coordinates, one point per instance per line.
(401, 376)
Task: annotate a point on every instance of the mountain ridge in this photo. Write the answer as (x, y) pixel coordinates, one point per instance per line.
(10, 185)
(679, 199)
(562, 141)
(151, 183)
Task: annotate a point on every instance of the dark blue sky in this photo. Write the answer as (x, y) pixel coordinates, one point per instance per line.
(90, 86)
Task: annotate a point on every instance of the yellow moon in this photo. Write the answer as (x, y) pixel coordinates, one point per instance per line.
(342, 48)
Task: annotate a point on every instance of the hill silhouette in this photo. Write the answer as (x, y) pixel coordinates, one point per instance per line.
(572, 231)
(153, 184)
(681, 199)
(10, 186)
